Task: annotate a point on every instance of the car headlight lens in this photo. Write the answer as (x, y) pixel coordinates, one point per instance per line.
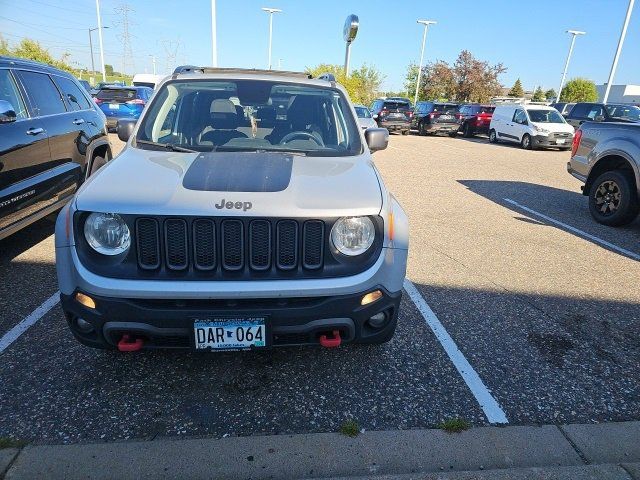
(353, 235)
(107, 233)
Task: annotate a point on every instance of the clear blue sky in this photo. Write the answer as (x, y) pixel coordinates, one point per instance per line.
(526, 36)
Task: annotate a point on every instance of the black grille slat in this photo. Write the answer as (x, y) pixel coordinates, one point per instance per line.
(260, 244)
(287, 244)
(148, 243)
(204, 244)
(313, 244)
(232, 245)
(176, 253)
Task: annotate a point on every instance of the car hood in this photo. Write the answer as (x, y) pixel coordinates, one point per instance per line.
(555, 127)
(270, 184)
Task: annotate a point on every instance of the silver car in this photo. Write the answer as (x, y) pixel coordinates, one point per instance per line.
(245, 212)
(365, 119)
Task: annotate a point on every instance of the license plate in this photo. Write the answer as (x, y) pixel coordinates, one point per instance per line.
(396, 115)
(114, 106)
(446, 117)
(230, 333)
(560, 141)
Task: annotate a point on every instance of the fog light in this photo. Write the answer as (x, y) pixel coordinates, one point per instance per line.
(371, 297)
(378, 320)
(83, 325)
(85, 300)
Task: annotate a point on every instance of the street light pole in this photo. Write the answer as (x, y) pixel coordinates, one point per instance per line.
(93, 68)
(426, 24)
(214, 36)
(104, 73)
(574, 34)
(614, 65)
(270, 11)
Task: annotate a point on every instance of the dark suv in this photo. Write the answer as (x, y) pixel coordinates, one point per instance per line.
(599, 112)
(393, 114)
(434, 117)
(475, 118)
(52, 136)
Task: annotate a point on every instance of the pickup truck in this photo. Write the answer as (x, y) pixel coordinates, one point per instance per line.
(606, 157)
(599, 112)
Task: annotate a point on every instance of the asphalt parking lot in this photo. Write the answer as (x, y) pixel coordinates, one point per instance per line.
(542, 302)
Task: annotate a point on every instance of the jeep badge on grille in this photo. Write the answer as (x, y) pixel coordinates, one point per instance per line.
(244, 206)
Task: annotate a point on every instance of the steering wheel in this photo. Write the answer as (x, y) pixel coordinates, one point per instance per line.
(291, 136)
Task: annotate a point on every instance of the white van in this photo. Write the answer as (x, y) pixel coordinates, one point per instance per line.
(146, 80)
(530, 125)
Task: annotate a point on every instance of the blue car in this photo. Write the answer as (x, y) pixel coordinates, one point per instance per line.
(119, 102)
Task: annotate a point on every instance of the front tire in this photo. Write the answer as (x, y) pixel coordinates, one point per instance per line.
(613, 200)
(493, 136)
(526, 141)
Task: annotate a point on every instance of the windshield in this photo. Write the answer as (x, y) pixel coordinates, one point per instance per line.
(363, 112)
(628, 112)
(251, 115)
(545, 116)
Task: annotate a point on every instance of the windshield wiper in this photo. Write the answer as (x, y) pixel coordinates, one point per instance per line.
(167, 146)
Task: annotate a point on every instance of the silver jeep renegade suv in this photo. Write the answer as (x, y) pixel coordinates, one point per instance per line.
(244, 212)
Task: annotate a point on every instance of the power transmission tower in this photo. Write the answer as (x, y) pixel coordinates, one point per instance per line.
(171, 49)
(125, 12)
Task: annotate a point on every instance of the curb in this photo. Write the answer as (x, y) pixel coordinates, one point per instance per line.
(604, 451)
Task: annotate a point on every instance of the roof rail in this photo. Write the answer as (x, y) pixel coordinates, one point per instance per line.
(328, 76)
(194, 69)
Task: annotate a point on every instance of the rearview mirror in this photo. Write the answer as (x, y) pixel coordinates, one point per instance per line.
(377, 138)
(7, 112)
(124, 128)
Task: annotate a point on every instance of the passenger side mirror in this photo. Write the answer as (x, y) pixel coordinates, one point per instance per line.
(124, 128)
(7, 112)
(377, 138)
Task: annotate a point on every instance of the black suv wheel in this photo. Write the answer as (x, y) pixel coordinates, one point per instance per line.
(613, 199)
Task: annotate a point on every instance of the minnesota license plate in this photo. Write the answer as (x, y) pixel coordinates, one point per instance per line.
(114, 106)
(230, 333)
(560, 141)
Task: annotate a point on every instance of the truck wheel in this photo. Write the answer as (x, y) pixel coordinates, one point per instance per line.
(613, 199)
(493, 137)
(466, 131)
(526, 142)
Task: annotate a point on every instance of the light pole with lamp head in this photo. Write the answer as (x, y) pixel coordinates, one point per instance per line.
(271, 11)
(574, 34)
(93, 67)
(426, 24)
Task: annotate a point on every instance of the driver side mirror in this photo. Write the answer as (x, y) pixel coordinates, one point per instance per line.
(125, 128)
(7, 112)
(377, 138)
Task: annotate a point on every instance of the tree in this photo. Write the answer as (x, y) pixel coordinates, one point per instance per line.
(108, 69)
(4, 46)
(550, 94)
(363, 85)
(476, 80)
(410, 80)
(32, 50)
(579, 90)
(517, 90)
(538, 95)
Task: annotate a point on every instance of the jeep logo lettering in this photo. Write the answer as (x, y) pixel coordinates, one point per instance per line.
(244, 206)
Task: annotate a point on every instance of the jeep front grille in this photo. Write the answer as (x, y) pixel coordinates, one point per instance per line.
(230, 244)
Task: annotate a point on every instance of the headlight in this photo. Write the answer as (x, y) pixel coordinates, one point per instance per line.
(353, 235)
(107, 233)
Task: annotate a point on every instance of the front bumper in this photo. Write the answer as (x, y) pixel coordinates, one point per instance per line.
(168, 323)
(552, 141)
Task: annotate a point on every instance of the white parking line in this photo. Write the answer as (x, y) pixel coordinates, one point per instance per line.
(489, 405)
(13, 334)
(579, 232)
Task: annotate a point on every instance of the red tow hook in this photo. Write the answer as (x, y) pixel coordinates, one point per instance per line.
(331, 342)
(127, 344)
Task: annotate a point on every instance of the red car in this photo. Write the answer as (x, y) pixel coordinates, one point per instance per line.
(475, 118)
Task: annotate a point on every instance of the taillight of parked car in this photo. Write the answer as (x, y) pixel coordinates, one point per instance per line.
(383, 113)
(409, 113)
(135, 101)
(576, 142)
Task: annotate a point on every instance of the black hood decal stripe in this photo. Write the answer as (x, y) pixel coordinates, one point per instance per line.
(239, 172)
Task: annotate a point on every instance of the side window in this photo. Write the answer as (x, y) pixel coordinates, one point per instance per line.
(9, 93)
(45, 97)
(520, 117)
(580, 111)
(75, 97)
(595, 111)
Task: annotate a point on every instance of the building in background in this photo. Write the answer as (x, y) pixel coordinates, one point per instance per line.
(621, 94)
